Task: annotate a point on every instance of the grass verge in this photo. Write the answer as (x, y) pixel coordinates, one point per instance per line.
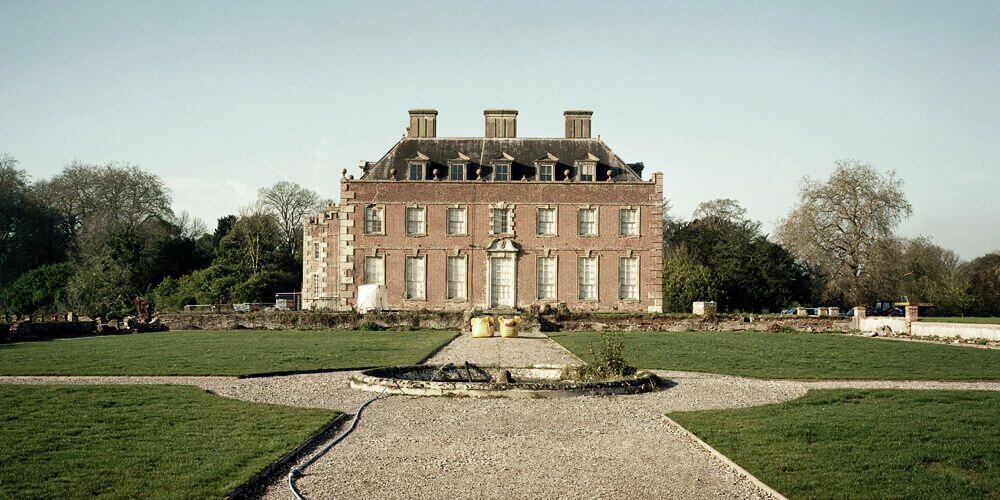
(795, 355)
(139, 442)
(864, 443)
(220, 352)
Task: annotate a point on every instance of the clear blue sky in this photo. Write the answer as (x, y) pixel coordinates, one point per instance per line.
(729, 100)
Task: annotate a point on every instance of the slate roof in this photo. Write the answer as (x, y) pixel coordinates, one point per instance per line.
(482, 151)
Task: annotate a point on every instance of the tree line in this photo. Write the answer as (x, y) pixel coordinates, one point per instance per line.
(837, 246)
(94, 237)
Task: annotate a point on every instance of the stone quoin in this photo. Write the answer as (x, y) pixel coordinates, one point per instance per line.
(495, 222)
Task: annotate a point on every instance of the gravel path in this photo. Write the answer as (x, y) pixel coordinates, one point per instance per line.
(579, 447)
(530, 348)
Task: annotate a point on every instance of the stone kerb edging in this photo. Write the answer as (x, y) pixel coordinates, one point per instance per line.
(378, 378)
(256, 485)
(767, 490)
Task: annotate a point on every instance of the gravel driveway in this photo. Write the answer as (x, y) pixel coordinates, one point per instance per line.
(579, 447)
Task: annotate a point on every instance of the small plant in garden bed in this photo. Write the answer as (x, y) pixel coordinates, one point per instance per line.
(609, 361)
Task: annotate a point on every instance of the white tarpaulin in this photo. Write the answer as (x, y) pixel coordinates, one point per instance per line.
(372, 298)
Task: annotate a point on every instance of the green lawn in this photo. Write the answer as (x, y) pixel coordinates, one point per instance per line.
(961, 319)
(206, 352)
(849, 443)
(796, 355)
(139, 442)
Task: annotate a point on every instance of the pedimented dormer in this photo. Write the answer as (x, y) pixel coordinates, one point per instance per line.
(502, 166)
(416, 167)
(586, 168)
(458, 167)
(545, 167)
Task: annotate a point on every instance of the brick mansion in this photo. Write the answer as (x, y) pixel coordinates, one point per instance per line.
(493, 222)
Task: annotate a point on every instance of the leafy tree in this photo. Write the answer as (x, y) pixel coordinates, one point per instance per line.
(253, 243)
(685, 282)
(40, 290)
(724, 257)
(984, 284)
(836, 226)
(31, 235)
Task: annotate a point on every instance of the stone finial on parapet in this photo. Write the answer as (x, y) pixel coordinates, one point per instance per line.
(707, 309)
(801, 311)
(833, 311)
(821, 311)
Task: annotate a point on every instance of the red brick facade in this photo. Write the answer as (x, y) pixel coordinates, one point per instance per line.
(489, 270)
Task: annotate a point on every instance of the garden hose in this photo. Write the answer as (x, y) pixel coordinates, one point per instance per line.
(297, 471)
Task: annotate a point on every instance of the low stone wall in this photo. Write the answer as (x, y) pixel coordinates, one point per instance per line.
(267, 320)
(960, 330)
(271, 320)
(653, 322)
(30, 330)
(900, 326)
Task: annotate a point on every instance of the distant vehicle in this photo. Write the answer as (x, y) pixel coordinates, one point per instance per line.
(790, 310)
(848, 313)
(895, 308)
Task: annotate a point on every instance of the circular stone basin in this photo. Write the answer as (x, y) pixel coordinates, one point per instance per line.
(492, 382)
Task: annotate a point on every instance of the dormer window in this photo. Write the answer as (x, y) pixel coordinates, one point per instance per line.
(416, 171)
(586, 169)
(545, 172)
(545, 167)
(502, 167)
(457, 167)
(501, 172)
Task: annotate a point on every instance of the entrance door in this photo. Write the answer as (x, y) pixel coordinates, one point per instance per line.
(501, 282)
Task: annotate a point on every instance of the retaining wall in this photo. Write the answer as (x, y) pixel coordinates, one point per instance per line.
(30, 330)
(972, 331)
(460, 321)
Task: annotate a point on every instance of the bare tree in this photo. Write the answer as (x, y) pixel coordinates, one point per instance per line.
(190, 226)
(836, 225)
(723, 208)
(290, 203)
(112, 197)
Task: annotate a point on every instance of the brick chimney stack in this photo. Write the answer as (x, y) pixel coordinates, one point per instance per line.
(423, 123)
(501, 123)
(578, 124)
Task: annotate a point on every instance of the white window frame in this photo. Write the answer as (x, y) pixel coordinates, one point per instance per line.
(555, 220)
(595, 278)
(421, 292)
(465, 221)
(496, 170)
(462, 290)
(463, 168)
(587, 168)
(596, 222)
(423, 220)
(509, 211)
(621, 222)
(381, 219)
(422, 170)
(367, 271)
(552, 172)
(553, 274)
(633, 293)
(316, 250)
